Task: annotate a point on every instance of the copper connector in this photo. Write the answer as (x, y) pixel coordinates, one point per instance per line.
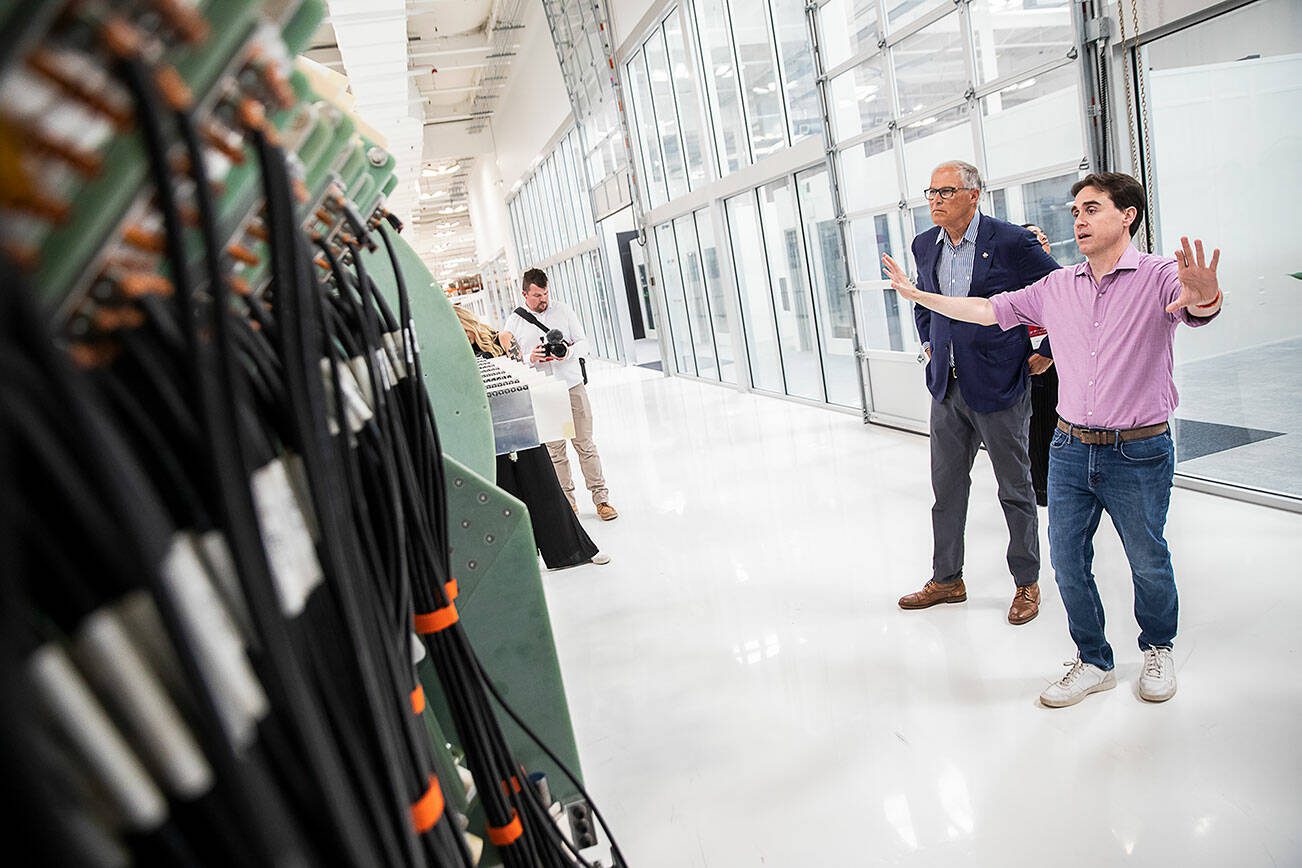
(84, 162)
(188, 24)
(111, 319)
(46, 63)
(98, 354)
(242, 254)
(175, 92)
(239, 286)
(138, 284)
(149, 240)
(122, 39)
(36, 205)
(215, 139)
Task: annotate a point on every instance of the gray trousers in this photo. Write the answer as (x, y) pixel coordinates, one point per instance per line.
(956, 433)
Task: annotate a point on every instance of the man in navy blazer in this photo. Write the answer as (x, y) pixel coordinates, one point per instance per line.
(977, 376)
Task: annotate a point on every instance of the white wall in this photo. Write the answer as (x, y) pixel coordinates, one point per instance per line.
(626, 15)
(535, 104)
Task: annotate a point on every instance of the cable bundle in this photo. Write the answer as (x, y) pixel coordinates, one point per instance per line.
(222, 526)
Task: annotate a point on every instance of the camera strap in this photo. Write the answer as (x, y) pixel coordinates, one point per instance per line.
(527, 315)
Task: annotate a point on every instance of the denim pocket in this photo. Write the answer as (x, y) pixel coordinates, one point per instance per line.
(1060, 438)
(1146, 450)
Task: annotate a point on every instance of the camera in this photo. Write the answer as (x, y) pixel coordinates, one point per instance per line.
(554, 344)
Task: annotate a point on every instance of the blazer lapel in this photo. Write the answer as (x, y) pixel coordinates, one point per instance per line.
(927, 267)
(981, 262)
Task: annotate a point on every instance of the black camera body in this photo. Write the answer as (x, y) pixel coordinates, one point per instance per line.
(554, 344)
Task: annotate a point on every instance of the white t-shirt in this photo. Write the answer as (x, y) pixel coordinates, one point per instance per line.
(556, 316)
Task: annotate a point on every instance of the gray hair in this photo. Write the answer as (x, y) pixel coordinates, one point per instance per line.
(970, 174)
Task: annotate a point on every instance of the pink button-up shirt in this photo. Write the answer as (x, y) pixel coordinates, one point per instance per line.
(1112, 339)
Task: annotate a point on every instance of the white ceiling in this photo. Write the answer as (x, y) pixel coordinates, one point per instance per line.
(414, 65)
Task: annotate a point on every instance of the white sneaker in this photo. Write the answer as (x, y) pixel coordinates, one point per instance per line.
(1081, 680)
(601, 558)
(1157, 680)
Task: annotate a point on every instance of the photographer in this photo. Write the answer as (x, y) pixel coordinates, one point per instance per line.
(551, 337)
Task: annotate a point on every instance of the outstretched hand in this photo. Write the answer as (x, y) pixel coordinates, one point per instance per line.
(1198, 285)
(899, 280)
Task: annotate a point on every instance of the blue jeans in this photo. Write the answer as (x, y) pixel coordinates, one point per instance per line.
(1131, 482)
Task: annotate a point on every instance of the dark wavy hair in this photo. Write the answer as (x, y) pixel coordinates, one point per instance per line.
(1124, 191)
(533, 276)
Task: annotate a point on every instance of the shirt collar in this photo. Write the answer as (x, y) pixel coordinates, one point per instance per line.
(1129, 261)
(969, 235)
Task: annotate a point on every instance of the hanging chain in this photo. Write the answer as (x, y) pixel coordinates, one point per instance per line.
(1140, 140)
(1146, 144)
(1130, 102)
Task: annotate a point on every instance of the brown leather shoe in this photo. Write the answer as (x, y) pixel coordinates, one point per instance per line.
(606, 512)
(1026, 604)
(933, 593)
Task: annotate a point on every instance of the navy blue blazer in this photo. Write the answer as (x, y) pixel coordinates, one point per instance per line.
(991, 362)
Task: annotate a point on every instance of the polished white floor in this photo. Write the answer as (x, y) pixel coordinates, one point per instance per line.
(745, 691)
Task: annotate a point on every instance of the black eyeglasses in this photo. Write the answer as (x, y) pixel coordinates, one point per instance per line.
(942, 193)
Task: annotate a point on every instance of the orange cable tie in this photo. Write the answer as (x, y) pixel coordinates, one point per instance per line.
(428, 809)
(503, 836)
(418, 700)
(436, 621)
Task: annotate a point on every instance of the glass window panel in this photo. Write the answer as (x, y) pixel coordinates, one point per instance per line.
(554, 206)
(672, 279)
(601, 287)
(900, 13)
(759, 76)
(513, 214)
(689, 101)
(559, 204)
(868, 174)
(933, 140)
(827, 272)
(581, 184)
(666, 114)
(698, 302)
(653, 175)
(804, 113)
(860, 99)
(563, 204)
(847, 28)
(540, 245)
(922, 221)
(1036, 122)
(1047, 204)
(721, 327)
(753, 292)
(529, 223)
(596, 335)
(569, 189)
(582, 298)
(788, 280)
(1011, 37)
(722, 85)
(541, 231)
(1232, 183)
(930, 67)
(886, 320)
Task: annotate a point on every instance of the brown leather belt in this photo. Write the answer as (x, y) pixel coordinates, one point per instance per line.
(1108, 436)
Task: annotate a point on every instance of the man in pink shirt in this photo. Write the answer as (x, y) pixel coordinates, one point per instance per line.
(1113, 320)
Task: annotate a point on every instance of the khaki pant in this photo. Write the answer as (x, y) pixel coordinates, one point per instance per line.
(589, 460)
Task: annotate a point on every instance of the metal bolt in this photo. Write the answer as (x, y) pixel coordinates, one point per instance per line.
(378, 156)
